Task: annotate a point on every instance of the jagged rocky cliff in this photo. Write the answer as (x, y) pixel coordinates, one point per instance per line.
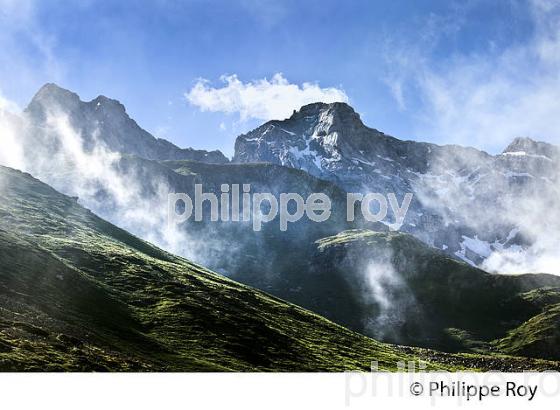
(466, 200)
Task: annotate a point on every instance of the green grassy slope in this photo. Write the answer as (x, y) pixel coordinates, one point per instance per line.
(438, 302)
(77, 293)
(540, 335)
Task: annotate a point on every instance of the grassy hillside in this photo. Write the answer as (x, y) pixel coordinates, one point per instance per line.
(422, 297)
(540, 335)
(77, 293)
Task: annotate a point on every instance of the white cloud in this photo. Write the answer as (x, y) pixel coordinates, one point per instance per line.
(11, 153)
(7, 106)
(260, 99)
(93, 175)
(487, 98)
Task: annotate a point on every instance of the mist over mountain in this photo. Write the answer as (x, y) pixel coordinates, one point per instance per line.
(485, 210)
(482, 208)
(104, 120)
(407, 292)
(80, 294)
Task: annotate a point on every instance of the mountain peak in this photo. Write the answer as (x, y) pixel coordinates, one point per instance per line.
(532, 147)
(336, 117)
(52, 92)
(339, 109)
(52, 97)
(50, 88)
(107, 103)
(107, 119)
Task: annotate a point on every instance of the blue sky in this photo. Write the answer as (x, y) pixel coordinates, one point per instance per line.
(470, 72)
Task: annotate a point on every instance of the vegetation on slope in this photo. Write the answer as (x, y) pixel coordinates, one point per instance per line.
(540, 335)
(435, 301)
(77, 293)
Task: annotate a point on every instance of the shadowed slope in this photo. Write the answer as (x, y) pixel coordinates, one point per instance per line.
(394, 287)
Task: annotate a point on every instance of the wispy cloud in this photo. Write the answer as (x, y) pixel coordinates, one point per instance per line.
(260, 99)
(486, 99)
(11, 153)
(489, 97)
(102, 179)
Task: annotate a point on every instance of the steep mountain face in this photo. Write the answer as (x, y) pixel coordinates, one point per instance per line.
(257, 258)
(105, 121)
(466, 201)
(328, 140)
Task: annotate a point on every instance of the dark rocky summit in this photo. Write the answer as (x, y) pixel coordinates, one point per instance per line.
(464, 199)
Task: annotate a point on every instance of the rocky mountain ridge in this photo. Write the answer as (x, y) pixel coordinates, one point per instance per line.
(104, 120)
(463, 206)
(464, 198)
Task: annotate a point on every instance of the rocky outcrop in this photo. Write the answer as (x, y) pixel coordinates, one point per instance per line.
(104, 120)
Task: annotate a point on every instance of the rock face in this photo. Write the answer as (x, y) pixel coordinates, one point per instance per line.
(468, 203)
(465, 200)
(533, 148)
(105, 120)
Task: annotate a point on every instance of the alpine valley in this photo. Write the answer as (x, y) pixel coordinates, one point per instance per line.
(92, 277)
